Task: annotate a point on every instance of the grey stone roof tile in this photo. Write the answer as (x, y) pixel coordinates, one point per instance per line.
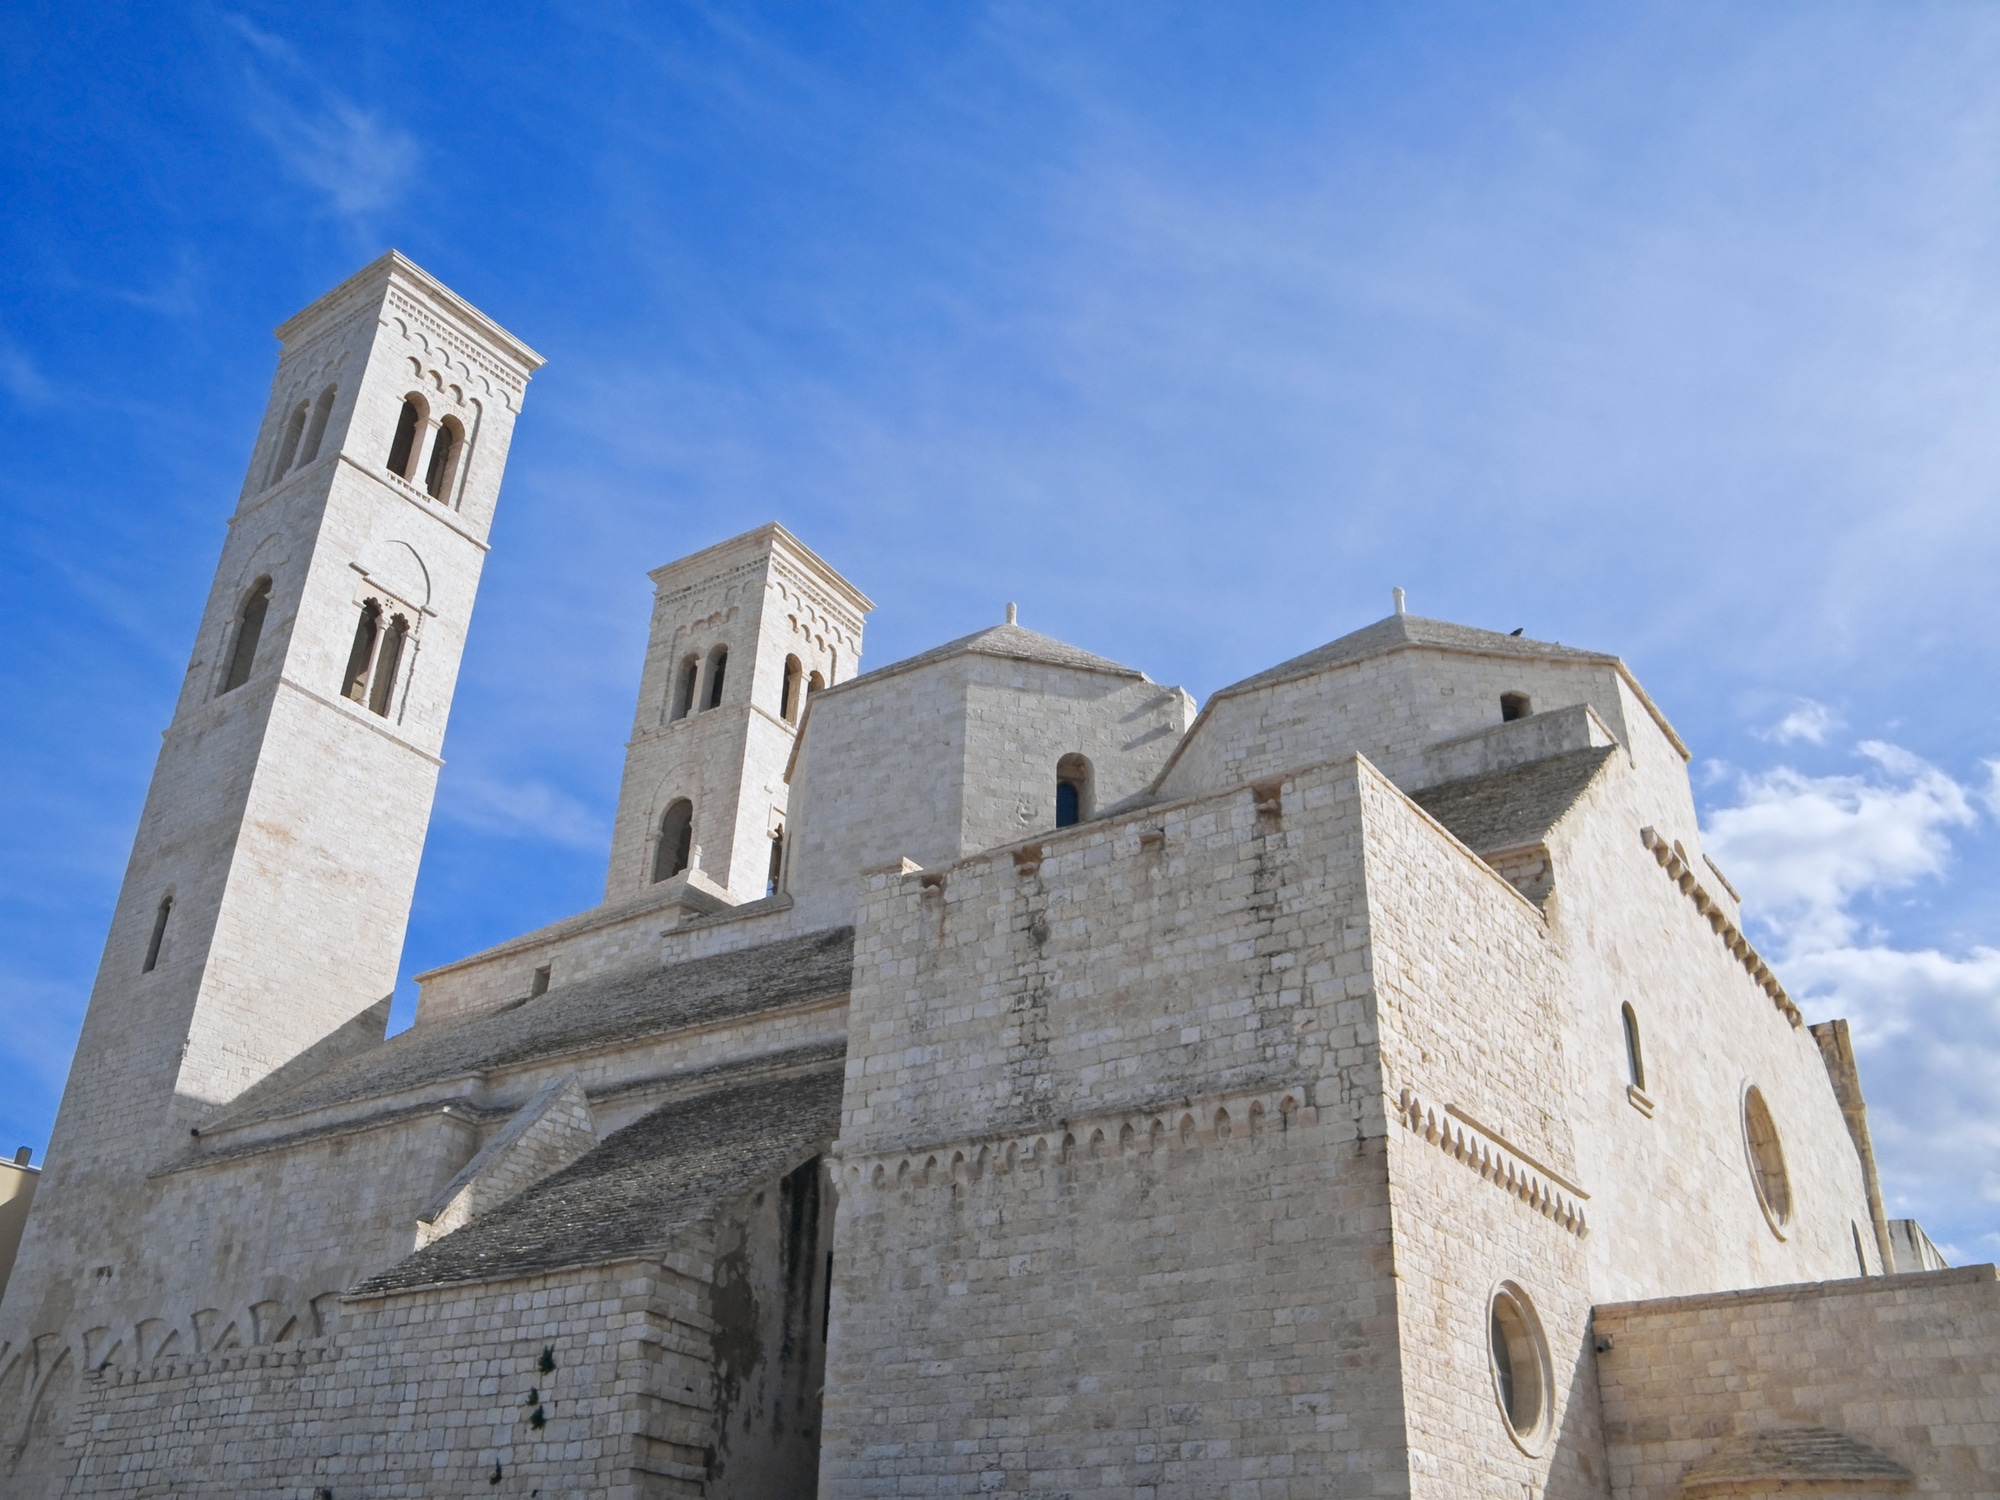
(1407, 630)
(600, 1011)
(1788, 1458)
(1516, 806)
(643, 1188)
(1011, 641)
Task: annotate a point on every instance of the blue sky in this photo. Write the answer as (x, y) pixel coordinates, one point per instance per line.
(1666, 330)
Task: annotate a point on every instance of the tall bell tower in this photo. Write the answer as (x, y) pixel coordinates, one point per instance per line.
(263, 910)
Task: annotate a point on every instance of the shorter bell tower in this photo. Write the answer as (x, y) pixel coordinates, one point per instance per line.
(743, 633)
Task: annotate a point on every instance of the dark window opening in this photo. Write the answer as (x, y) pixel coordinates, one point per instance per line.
(1069, 805)
(716, 665)
(387, 660)
(539, 985)
(1635, 1061)
(317, 433)
(670, 855)
(1072, 790)
(777, 863)
(294, 430)
(684, 689)
(789, 691)
(1514, 706)
(442, 448)
(403, 450)
(159, 933)
(355, 684)
(249, 629)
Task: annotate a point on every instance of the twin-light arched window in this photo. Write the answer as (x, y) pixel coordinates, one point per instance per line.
(446, 451)
(375, 658)
(304, 431)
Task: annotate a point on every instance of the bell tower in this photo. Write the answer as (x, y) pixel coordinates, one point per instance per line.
(262, 915)
(743, 633)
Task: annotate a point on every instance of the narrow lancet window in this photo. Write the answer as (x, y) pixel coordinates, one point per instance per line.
(690, 674)
(316, 434)
(443, 447)
(294, 430)
(1635, 1060)
(159, 938)
(387, 660)
(670, 856)
(249, 628)
(355, 684)
(1072, 790)
(789, 693)
(777, 863)
(716, 664)
(403, 452)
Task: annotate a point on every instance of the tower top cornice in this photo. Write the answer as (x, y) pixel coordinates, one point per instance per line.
(393, 268)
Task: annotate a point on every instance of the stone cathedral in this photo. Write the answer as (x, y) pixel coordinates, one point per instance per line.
(985, 1074)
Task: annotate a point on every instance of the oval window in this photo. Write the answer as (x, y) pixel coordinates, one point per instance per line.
(1522, 1379)
(1767, 1161)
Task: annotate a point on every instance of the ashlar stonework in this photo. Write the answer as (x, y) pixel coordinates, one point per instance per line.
(985, 1074)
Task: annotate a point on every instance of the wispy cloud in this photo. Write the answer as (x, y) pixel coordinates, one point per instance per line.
(360, 162)
(1811, 722)
(21, 378)
(531, 810)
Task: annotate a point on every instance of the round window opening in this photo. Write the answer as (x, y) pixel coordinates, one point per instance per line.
(1521, 1373)
(1767, 1161)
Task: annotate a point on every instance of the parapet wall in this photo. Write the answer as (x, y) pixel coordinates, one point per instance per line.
(1908, 1365)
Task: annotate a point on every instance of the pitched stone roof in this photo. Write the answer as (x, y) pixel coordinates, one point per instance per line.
(1516, 806)
(591, 1012)
(1013, 642)
(1407, 630)
(1789, 1458)
(644, 1187)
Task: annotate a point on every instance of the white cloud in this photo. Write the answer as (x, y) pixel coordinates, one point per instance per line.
(1810, 721)
(1926, 1023)
(1803, 847)
(1927, 1036)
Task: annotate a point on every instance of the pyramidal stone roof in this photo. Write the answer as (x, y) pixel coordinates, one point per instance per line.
(1408, 630)
(1013, 642)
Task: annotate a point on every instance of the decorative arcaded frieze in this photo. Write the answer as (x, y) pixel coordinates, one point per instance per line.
(1232, 1120)
(1506, 1166)
(1673, 860)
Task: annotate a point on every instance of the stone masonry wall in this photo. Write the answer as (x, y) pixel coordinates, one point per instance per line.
(575, 1386)
(1111, 1156)
(1482, 1169)
(1907, 1364)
